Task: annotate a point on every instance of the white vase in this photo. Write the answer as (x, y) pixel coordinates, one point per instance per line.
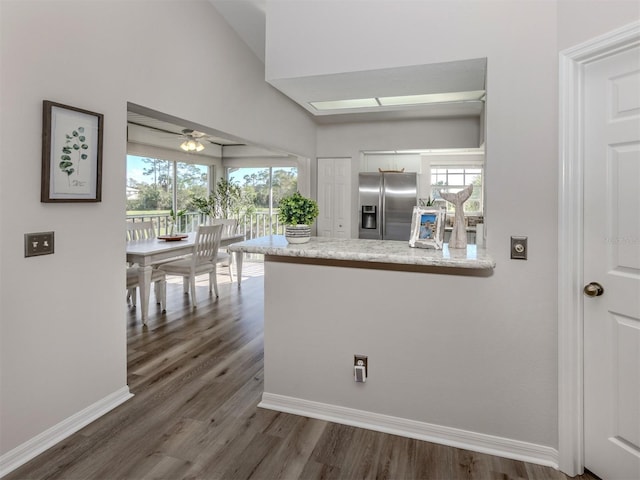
(297, 233)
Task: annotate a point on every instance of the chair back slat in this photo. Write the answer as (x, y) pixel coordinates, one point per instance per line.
(207, 243)
(140, 230)
(229, 225)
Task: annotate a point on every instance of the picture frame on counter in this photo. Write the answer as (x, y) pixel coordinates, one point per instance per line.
(427, 227)
(71, 154)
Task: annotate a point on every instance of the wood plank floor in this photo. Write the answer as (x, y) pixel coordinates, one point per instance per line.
(197, 378)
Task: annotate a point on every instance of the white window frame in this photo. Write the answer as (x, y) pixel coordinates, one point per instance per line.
(269, 166)
(174, 174)
(460, 165)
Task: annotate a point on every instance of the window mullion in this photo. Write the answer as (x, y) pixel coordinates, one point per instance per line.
(270, 199)
(174, 196)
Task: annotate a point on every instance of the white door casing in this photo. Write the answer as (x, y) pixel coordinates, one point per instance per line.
(612, 258)
(607, 176)
(334, 197)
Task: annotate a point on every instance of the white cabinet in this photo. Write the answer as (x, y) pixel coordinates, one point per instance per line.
(334, 194)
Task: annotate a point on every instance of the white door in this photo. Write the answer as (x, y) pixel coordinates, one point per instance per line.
(612, 260)
(334, 177)
(342, 198)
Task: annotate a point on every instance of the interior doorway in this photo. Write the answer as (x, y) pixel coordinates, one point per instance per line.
(574, 69)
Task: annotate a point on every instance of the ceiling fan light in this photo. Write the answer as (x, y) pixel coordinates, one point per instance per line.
(192, 145)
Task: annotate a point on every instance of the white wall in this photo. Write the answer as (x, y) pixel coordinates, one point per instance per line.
(315, 37)
(582, 20)
(516, 319)
(63, 328)
(515, 316)
(428, 361)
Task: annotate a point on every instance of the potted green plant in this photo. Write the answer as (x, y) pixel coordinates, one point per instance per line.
(227, 201)
(174, 222)
(297, 213)
(207, 206)
(432, 202)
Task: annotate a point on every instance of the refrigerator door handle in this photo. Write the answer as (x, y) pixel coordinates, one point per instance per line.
(383, 205)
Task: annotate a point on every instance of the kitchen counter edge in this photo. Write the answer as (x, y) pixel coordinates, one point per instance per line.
(370, 251)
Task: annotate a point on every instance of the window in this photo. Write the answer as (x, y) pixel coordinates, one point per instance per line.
(191, 180)
(454, 179)
(284, 182)
(265, 185)
(149, 185)
(157, 186)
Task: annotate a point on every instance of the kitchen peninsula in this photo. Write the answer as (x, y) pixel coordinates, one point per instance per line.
(368, 253)
(330, 299)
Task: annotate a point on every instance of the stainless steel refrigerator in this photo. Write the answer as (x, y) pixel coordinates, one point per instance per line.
(386, 205)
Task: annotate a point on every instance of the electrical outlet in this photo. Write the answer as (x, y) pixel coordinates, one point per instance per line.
(40, 243)
(519, 249)
(361, 361)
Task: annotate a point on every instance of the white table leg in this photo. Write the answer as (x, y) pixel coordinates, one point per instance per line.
(144, 283)
(239, 257)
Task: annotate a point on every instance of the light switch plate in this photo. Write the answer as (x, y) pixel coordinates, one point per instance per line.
(519, 248)
(40, 243)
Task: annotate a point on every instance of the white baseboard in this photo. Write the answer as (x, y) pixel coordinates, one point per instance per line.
(477, 442)
(41, 442)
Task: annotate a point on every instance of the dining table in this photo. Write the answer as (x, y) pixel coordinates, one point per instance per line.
(147, 253)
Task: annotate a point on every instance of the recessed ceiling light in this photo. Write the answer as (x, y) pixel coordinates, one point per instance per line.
(432, 98)
(450, 97)
(340, 104)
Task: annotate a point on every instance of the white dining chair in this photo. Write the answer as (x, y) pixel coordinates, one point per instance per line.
(202, 260)
(229, 227)
(159, 279)
(141, 231)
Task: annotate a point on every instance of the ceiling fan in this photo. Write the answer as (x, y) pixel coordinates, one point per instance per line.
(192, 140)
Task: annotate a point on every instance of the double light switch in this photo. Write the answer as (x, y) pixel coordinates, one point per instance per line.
(40, 243)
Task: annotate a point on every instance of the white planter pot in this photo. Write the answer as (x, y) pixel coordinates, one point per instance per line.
(297, 233)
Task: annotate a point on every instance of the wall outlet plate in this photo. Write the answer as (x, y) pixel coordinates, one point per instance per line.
(361, 361)
(36, 244)
(519, 248)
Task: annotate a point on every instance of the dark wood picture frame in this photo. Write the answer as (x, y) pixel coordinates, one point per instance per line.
(71, 154)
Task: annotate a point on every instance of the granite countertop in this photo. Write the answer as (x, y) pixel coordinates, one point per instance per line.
(376, 251)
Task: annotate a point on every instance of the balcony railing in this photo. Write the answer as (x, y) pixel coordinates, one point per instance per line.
(256, 225)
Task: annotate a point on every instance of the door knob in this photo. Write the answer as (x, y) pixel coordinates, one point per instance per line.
(593, 289)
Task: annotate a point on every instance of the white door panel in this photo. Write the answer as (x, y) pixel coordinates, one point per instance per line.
(325, 198)
(334, 194)
(341, 191)
(612, 258)
(625, 172)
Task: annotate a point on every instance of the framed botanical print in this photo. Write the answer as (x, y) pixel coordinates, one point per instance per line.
(71, 154)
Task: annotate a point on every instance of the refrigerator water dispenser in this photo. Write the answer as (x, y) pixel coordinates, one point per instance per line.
(369, 217)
